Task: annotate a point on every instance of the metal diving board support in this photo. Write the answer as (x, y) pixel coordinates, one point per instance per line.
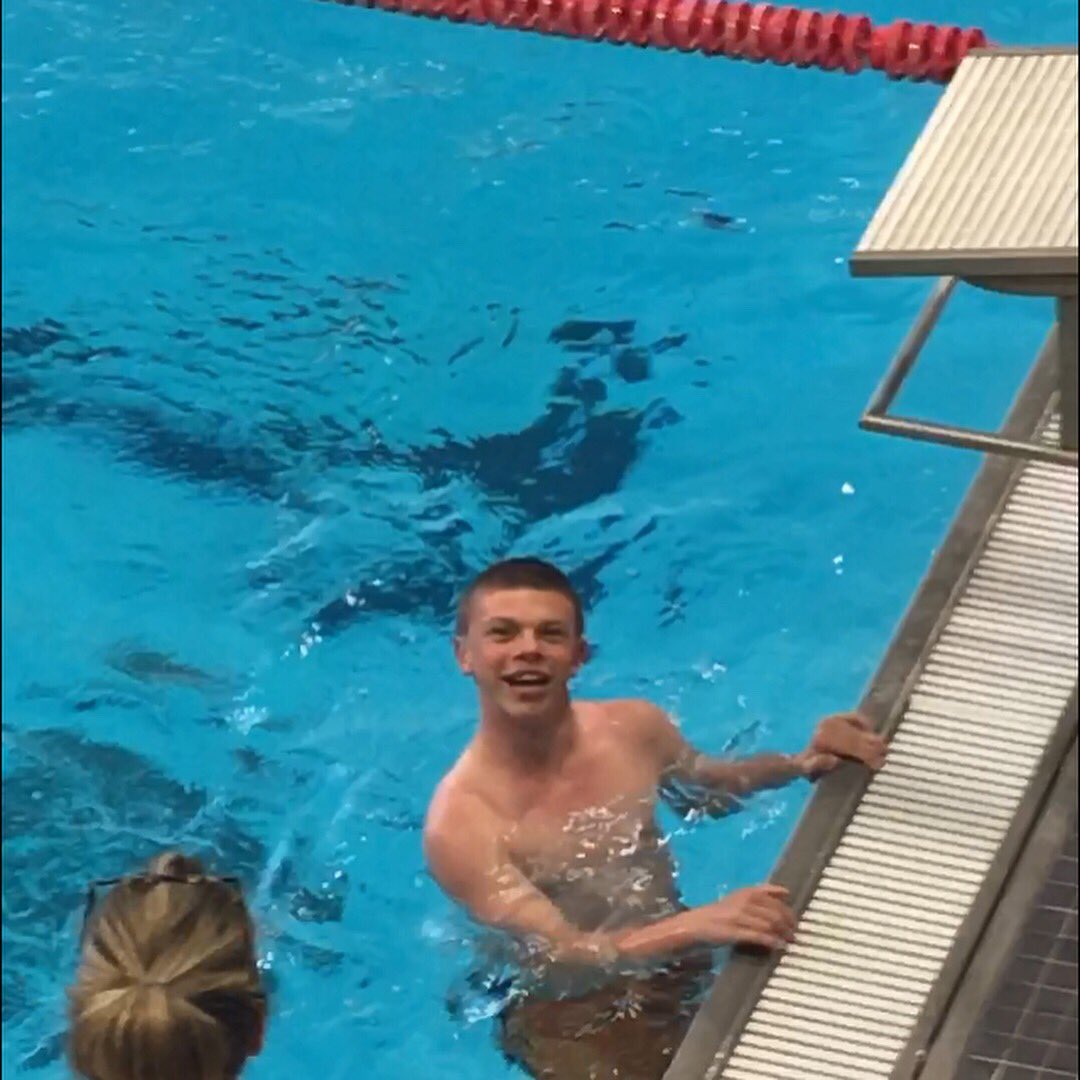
(988, 195)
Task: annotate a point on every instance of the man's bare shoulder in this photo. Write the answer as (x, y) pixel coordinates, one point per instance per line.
(638, 721)
(459, 807)
(454, 798)
(461, 839)
(634, 716)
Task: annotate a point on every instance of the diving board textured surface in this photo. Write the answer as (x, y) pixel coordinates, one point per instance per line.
(991, 183)
(843, 1002)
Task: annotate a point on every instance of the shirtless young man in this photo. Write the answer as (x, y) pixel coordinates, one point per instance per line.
(545, 828)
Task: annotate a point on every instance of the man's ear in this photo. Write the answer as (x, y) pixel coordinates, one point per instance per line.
(584, 654)
(461, 654)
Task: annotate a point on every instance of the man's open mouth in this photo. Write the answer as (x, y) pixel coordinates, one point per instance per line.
(527, 679)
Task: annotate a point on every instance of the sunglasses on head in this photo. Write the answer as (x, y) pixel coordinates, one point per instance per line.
(95, 888)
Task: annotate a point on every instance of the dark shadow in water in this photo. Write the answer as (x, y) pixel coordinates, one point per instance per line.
(28, 341)
(565, 459)
(562, 460)
(55, 374)
(424, 589)
(575, 453)
(579, 450)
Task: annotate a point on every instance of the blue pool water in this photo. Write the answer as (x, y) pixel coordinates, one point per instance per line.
(301, 327)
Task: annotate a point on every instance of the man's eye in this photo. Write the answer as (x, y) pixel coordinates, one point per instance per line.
(554, 633)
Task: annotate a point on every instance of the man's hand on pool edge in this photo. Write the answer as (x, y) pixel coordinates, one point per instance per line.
(844, 736)
(757, 916)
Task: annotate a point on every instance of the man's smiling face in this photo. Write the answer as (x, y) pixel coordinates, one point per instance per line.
(522, 646)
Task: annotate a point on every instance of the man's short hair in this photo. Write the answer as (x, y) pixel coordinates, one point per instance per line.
(524, 573)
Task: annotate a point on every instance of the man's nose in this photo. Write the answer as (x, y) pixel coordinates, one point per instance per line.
(528, 642)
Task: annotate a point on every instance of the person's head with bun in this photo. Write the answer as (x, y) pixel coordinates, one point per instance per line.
(167, 987)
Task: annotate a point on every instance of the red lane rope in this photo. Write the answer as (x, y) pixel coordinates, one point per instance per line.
(746, 31)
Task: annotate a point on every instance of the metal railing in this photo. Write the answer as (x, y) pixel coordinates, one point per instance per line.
(876, 415)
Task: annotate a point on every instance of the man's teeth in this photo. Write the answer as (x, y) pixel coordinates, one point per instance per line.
(527, 680)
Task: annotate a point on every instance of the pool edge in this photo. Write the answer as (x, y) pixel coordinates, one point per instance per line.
(720, 1021)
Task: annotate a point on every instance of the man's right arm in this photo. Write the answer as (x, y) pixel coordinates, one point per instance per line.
(466, 855)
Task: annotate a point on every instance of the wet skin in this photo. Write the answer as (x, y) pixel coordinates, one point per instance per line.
(546, 825)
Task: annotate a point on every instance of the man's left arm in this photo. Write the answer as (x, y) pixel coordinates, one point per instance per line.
(696, 781)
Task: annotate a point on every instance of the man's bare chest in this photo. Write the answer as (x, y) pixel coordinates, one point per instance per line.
(589, 817)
